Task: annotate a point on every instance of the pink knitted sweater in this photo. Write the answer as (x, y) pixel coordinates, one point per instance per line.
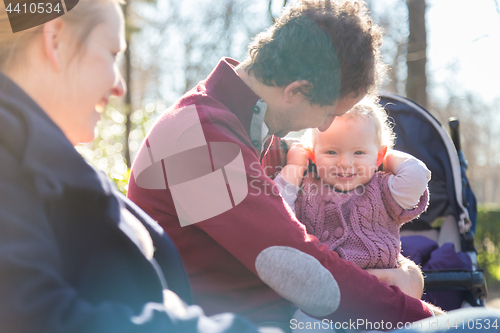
(362, 225)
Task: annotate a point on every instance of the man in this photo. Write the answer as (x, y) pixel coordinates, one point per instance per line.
(199, 174)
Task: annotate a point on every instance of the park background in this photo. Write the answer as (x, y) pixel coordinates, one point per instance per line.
(442, 54)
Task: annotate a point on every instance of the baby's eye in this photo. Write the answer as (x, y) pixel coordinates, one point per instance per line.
(331, 152)
(359, 152)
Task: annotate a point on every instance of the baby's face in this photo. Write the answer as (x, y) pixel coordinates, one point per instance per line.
(346, 154)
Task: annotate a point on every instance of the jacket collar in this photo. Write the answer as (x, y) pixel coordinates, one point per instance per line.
(225, 86)
(42, 147)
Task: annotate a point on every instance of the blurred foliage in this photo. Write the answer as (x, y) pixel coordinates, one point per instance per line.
(487, 240)
(106, 151)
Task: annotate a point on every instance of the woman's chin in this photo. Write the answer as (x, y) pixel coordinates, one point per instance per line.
(82, 137)
(82, 141)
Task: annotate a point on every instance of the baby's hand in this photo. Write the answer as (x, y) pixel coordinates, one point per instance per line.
(299, 155)
(395, 158)
(297, 161)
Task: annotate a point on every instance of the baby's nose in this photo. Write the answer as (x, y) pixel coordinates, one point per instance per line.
(344, 160)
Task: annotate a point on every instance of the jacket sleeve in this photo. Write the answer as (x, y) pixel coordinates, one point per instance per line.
(36, 297)
(263, 234)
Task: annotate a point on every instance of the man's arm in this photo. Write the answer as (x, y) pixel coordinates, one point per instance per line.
(408, 277)
(287, 257)
(265, 237)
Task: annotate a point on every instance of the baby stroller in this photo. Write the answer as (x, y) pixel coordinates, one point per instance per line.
(442, 239)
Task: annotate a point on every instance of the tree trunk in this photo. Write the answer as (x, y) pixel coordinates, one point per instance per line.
(128, 94)
(416, 57)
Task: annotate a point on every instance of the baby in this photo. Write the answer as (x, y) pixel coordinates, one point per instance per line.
(346, 202)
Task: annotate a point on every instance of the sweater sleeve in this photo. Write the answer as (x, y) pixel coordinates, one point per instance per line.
(262, 233)
(397, 213)
(287, 191)
(409, 182)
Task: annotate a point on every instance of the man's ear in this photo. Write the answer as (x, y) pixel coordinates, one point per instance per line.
(52, 32)
(381, 155)
(296, 90)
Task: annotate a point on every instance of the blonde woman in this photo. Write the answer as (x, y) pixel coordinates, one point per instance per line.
(75, 256)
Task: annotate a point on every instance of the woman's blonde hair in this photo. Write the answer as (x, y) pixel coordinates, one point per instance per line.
(369, 110)
(82, 19)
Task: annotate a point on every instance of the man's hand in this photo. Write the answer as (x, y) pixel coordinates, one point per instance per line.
(297, 161)
(408, 277)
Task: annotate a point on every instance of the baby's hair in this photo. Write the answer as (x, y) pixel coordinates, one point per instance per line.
(367, 109)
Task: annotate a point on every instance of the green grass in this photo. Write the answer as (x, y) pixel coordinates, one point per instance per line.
(487, 240)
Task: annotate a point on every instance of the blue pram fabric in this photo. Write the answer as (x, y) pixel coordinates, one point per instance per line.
(416, 136)
(427, 253)
(421, 135)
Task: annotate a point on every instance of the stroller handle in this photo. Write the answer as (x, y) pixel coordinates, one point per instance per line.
(455, 132)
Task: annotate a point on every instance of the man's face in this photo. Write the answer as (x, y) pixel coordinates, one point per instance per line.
(304, 115)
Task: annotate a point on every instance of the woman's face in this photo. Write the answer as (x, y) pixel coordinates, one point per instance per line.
(92, 77)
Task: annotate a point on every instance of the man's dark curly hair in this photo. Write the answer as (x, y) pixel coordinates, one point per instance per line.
(335, 47)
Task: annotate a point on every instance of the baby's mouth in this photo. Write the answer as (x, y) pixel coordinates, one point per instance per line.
(345, 175)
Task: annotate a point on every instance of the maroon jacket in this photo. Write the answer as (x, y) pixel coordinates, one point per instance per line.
(243, 258)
